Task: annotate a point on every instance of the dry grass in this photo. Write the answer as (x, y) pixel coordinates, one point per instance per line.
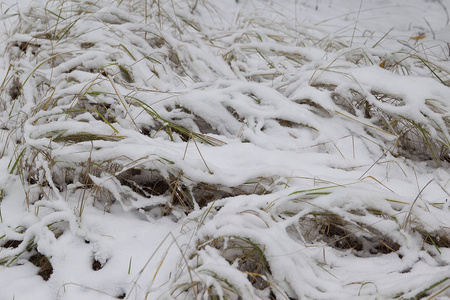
(67, 112)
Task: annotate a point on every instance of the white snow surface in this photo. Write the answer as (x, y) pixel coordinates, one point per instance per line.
(297, 111)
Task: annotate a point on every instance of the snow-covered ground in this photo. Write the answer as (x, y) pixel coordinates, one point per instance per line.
(251, 149)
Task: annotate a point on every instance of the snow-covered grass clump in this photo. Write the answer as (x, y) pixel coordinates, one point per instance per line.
(201, 150)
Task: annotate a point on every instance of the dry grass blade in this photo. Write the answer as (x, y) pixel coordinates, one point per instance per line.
(409, 214)
(122, 101)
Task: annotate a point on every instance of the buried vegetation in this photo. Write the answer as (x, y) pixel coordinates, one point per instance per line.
(274, 158)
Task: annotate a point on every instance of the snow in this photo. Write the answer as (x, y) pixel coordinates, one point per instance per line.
(251, 149)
